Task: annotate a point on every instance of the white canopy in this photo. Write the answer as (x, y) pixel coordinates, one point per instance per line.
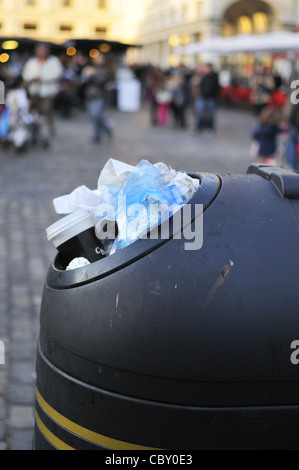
(274, 42)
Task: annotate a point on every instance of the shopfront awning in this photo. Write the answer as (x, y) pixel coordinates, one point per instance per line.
(274, 42)
(22, 44)
(85, 45)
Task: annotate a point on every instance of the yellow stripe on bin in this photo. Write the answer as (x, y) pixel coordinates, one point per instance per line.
(60, 445)
(85, 433)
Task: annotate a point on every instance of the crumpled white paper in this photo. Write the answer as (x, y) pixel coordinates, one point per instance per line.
(81, 198)
(114, 172)
(187, 185)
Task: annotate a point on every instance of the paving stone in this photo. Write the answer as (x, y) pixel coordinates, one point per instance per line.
(23, 372)
(19, 394)
(21, 417)
(22, 440)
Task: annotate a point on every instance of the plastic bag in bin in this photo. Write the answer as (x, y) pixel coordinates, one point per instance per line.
(143, 188)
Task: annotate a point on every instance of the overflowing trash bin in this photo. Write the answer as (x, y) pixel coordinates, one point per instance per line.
(167, 344)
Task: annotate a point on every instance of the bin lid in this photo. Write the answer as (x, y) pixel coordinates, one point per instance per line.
(209, 188)
(286, 182)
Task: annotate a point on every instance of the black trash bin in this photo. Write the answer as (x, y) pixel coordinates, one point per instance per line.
(161, 348)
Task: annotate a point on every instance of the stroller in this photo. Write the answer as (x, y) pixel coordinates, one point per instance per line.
(23, 125)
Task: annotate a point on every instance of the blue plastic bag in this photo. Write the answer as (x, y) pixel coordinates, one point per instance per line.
(145, 187)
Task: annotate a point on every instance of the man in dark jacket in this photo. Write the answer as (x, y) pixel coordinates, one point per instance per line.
(207, 100)
(96, 78)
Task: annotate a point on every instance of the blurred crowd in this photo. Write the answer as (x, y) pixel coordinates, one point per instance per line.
(42, 84)
(200, 89)
(189, 99)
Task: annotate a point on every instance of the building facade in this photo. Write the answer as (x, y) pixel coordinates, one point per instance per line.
(59, 20)
(160, 26)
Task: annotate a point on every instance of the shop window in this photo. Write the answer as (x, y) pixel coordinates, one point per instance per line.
(101, 29)
(30, 26)
(65, 27)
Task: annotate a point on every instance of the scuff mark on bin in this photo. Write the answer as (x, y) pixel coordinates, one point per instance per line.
(219, 282)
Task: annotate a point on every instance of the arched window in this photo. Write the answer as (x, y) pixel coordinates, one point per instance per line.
(246, 17)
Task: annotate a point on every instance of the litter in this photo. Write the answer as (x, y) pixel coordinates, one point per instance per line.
(128, 203)
(145, 186)
(114, 172)
(77, 263)
(81, 198)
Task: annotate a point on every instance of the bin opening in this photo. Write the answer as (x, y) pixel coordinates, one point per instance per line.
(74, 258)
(128, 204)
(69, 261)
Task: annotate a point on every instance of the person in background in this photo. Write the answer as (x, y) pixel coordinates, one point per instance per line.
(262, 84)
(181, 99)
(41, 75)
(96, 77)
(153, 82)
(163, 99)
(266, 134)
(22, 123)
(208, 91)
(293, 141)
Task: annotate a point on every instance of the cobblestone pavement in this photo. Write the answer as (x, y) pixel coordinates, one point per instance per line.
(29, 182)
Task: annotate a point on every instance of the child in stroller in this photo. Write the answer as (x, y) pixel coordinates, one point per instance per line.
(23, 124)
